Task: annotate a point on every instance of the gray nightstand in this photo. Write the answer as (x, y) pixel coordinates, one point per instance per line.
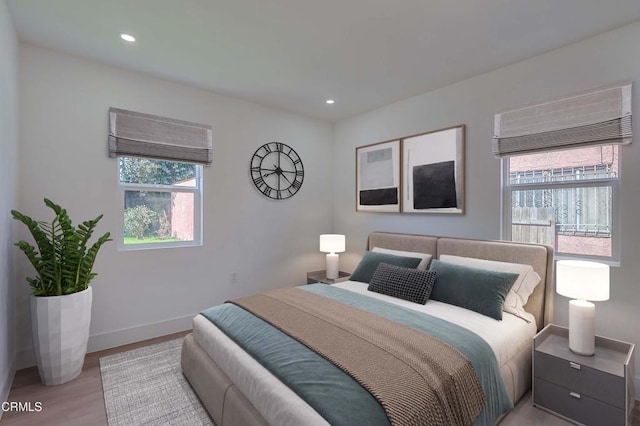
(321, 277)
(594, 390)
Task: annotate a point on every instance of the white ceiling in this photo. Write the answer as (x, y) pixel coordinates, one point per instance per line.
(295, 54)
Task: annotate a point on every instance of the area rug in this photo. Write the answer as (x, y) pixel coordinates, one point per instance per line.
(145, 386)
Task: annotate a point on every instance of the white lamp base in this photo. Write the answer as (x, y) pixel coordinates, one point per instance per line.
(582, 327)
(332, 266)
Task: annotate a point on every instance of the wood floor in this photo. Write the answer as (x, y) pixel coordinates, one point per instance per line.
(80, 402)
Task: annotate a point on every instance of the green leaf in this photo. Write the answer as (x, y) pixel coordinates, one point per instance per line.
(62, 262)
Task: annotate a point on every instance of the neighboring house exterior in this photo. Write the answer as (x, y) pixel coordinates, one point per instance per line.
(182, 205)
(580, 218)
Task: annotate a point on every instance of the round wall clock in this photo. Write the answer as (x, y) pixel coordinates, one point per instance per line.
(277, 170)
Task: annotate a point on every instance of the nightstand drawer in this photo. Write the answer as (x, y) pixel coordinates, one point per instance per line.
(575, 406)
(578, 378)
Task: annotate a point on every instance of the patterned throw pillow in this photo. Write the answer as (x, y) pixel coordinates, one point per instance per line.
(409, 284)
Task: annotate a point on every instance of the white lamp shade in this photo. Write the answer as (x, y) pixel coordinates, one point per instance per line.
(582, 280)
(332, 243)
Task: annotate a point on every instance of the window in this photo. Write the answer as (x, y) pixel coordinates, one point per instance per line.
(161, 203)
(561, 168)
(566, 199)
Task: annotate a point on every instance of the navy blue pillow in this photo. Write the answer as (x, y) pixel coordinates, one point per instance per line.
(370, 261)
(479, 290)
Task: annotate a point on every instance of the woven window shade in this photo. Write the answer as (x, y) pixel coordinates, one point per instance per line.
(144, 135)
(596, 118)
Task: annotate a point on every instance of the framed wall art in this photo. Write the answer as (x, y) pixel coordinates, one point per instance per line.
(433, 171)
(378, 177)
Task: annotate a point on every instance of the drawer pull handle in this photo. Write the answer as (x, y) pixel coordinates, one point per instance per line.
(575, 395)
(575, 365)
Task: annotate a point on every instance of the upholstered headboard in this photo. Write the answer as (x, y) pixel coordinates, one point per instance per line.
(540, 257)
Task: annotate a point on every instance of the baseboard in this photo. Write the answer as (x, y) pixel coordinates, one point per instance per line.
(112, 339)
(5, 385)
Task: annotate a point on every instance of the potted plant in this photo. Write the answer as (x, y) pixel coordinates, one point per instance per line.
(61, 300)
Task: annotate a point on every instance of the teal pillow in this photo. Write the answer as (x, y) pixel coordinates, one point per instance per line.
(370, 261)
(475, 289)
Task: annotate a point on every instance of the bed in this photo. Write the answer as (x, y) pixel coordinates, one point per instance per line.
(238, 390)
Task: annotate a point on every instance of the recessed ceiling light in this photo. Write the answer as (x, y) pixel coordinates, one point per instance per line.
(127, 37)
(330, 101)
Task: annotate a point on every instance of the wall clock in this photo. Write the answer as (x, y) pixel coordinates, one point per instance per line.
(277, 170)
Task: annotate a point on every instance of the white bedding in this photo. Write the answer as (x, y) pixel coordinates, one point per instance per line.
(506, 337)
(280, 405)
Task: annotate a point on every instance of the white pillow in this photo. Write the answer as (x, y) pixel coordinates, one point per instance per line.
(519, 294)
(426, 258)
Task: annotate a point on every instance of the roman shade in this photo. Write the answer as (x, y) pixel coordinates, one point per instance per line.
(151, 136)
(599, 117)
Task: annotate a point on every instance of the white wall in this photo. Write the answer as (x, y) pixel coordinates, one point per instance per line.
(140, 294)
(8, 185)
(591, 63)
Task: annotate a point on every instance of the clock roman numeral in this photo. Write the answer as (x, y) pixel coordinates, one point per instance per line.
(255, 169)
(299, 172)
(262, 186)
(267, 148)
(298, 161)
(279, 146)
(278, 195)
(296, 184)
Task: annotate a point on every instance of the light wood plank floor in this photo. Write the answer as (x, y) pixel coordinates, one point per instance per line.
(80, 402)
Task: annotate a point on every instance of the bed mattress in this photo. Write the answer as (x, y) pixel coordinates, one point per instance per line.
(510, 340)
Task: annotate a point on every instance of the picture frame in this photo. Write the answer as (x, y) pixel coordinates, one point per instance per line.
(433, 165)
(378, 184)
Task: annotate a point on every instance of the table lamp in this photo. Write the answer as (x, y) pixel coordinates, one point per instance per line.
(332, 244)
(584, 281)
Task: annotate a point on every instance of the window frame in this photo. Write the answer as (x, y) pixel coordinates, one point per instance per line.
(507, 189)
(197, 209)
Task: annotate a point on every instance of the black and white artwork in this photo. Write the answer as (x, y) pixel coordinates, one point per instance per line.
(378, 177)
(433, 172)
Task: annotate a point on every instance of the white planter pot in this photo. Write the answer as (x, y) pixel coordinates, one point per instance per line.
(60, 329)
